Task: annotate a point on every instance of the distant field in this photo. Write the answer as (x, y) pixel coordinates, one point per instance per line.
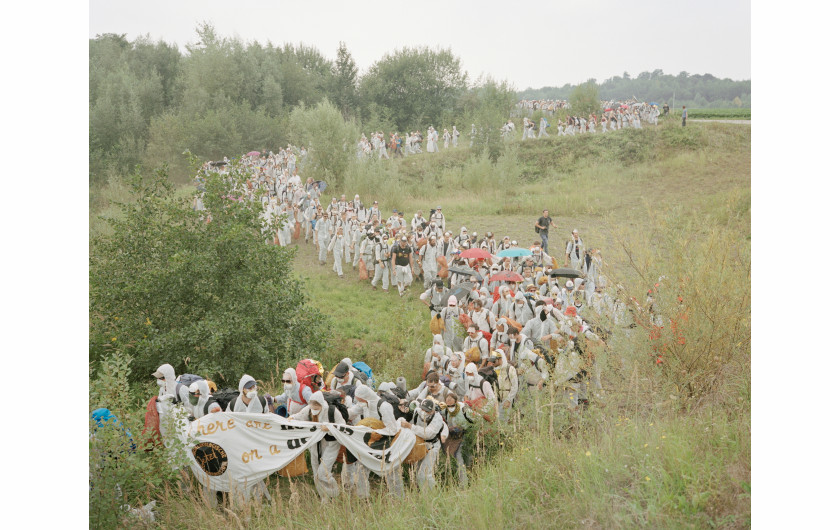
(718, 114)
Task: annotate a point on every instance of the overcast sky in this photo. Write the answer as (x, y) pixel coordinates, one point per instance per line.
(533, 43)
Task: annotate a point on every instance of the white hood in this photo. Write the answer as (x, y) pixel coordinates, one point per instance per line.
(476, 379)
(318, 397)
(204, 391)
(240, 406)
(169, 376)
(244, 380)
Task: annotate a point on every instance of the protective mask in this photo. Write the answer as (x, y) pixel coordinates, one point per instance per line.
(193, 400)
(288, 386)
(453, 408)
(161, 383)
(252, 394)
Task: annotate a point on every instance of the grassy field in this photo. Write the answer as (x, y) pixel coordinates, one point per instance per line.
(663, 450)
(719, 114)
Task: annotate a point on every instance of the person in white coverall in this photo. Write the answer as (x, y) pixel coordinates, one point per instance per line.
(294, 398)
(248, 399)
(324, 453)
(322, 233)
(369, 405)
(199, 396)
(428, 424)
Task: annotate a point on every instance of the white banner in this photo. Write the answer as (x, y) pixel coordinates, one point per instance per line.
(232, 450)
(384, 455)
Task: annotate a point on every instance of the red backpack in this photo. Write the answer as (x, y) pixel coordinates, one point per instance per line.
(306, 371)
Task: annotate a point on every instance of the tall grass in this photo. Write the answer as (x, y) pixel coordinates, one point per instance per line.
(609, 469)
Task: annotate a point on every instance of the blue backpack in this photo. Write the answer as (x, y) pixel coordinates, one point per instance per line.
(365, 369)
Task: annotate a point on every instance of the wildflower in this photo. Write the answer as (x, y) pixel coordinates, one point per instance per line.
(588, 453)
(148, 322)
(646, 445)
(113, 339)
(663, 436)
(650, 424)
(647, 479)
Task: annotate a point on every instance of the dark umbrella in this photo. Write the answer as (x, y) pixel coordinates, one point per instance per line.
(566, 273)
(507, 276)
(460, 291)
(321, 185)
(466, 271)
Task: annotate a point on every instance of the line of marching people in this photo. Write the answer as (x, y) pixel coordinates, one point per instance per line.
(610, 119)
(507, 324)
(394, 145)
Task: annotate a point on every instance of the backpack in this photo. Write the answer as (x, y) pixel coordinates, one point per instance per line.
(489, 374)
(306, 370)
(394, 402)
(188, 379)
(362, 369)
(185, 380)
(222, 397)
(334, 402)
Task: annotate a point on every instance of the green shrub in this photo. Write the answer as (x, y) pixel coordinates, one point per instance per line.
(208, 298)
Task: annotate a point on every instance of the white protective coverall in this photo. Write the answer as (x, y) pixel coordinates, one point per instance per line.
(291, 393)
(371, 406)
(324, 453)
(430, 427)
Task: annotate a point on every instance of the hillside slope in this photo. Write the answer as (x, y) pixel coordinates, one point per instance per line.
(657, 453)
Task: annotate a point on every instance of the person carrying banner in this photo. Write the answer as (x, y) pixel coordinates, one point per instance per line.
(372, 406)
(324, 453)
(428, 424)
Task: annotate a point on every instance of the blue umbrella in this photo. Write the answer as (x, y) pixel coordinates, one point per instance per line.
(652, 103)
(514, 253)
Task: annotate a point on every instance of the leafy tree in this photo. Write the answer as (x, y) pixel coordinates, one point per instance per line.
(331, 140)
(306, 75)
(415, 84)
(585, 100)
(655, 86)
(224, 130)
(209, 298)
(130, 82)
(487, 104)
(344, 83)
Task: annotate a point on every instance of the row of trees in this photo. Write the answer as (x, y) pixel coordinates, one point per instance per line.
(149, 102)
(698, 91)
